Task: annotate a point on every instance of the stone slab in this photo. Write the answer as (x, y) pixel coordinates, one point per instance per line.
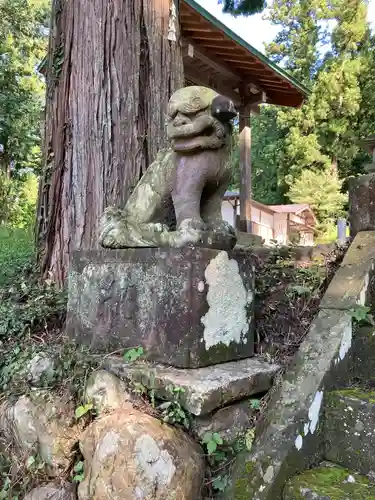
(188, 307)
(230, 422)
(349, 429)
(362, 204)
(291, 438)
(329, 482)
(206, 389)
(352, 284)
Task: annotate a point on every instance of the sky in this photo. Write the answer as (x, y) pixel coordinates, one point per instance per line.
(254, 29)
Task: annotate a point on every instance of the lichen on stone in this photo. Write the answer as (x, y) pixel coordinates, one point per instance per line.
(226, 320)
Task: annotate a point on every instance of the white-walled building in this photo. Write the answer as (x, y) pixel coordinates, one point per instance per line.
(282, 223)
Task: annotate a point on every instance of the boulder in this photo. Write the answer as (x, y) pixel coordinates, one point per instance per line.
(105, 391)
(41, 424)
(40, 368)
(52, 492)
(130, 455)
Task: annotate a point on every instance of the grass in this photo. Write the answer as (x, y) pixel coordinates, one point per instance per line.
(16, 251)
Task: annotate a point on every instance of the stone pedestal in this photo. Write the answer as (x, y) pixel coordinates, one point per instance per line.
(188, 307)
(362, 204)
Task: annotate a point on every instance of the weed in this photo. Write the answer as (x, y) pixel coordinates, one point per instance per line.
(172, 411)
(133, 354)
(220, 456)
(83, 410)
(254, 404)
(362, 315)
(78, 471)
(212, 440)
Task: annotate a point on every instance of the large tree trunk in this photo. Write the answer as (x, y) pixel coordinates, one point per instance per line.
(112, 66)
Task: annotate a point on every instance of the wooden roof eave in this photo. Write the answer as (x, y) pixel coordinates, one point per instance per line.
(209, 33)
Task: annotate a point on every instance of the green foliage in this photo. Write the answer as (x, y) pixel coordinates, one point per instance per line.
(24, 208)
(249, 438)
(322, 136)
(172, 411)
(133, 354)
(267, 150)
(18, 197)
(366, 119)
(29, 305)
(255, 404)
(16, 252)
(16, 479)
(220, 455)
(362, 315)
(23, 44)
(242, 7)
(296, 43)
(321, 189)
(79, 473)
(212, 440)
(83, 410)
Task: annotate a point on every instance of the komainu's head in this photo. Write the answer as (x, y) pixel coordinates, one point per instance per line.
(199, 118)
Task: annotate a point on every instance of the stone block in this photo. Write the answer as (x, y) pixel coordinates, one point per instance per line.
(362, 204)
(230, 422)
(188, 307)
(349, 429)
(329, 482)
(353, 283)
(205, 389)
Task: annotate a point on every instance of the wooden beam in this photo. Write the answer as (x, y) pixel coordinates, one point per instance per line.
(224, 47)
(210, 61)
(276, 79)
(224, 50)
(243, 61)
(249, 67)
(197, 29)
(201, 78)
(218, 38)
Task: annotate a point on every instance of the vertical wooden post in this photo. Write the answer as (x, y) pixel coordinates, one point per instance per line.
(245, 167)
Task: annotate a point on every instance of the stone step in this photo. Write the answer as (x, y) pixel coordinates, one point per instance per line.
(329, 482)
(204, 389)
(349, 429)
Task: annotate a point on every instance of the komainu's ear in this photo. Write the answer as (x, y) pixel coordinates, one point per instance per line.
(223, 109)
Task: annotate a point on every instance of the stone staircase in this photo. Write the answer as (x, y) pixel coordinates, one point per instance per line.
(318, 438)
(348, 434)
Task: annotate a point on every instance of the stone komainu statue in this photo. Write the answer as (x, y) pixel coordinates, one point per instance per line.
(191, 177)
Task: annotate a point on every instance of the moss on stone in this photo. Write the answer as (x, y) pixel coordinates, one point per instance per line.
(241, 486)
(355, 393)
(329, 481)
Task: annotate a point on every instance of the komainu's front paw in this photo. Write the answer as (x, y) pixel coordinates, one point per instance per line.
(191, 224)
